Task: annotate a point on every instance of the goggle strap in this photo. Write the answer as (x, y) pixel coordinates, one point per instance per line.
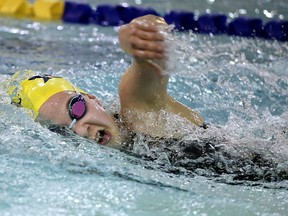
(75, 89)
(72, 123)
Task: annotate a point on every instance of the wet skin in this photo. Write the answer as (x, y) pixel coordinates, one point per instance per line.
(96, 124)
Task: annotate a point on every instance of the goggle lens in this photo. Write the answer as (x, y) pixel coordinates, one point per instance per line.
(77, 107)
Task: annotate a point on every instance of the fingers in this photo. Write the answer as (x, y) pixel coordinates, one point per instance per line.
(138, 43)
(145, 49)
(146, 41)
(146, 54)
(146, 32)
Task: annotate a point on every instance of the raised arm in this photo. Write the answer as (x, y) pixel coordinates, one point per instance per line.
(143, 86)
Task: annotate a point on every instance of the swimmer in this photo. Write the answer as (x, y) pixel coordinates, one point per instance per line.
(142, 89)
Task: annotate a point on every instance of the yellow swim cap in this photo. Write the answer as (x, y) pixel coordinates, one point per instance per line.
(36, 90)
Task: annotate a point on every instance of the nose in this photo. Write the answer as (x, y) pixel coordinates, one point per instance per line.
(97, 115)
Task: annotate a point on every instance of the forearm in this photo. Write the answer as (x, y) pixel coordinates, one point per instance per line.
(140, 84)
(149, 77)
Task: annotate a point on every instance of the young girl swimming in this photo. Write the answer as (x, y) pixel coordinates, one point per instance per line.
(142, 89)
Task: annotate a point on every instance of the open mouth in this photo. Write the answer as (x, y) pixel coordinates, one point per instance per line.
(103, 137)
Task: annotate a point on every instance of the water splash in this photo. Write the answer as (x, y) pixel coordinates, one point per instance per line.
(250, 142)
(40, 168)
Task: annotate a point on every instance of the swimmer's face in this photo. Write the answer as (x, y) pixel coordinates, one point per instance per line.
(96, 124)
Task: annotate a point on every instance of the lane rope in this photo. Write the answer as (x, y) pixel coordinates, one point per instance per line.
(115, 15)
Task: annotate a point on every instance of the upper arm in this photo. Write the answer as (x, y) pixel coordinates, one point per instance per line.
(176, 107)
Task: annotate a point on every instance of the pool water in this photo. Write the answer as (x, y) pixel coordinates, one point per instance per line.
(239, 85)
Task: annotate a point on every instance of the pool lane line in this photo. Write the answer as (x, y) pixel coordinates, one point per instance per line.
(116, 15)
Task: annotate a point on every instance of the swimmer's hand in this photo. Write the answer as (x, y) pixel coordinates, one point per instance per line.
(142, 39)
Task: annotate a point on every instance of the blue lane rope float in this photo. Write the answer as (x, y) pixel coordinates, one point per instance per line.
(77, 13)
(115, 15)
(111, 15)
(246, 27)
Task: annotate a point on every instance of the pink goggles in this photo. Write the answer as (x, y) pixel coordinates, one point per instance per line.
(76, 108)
